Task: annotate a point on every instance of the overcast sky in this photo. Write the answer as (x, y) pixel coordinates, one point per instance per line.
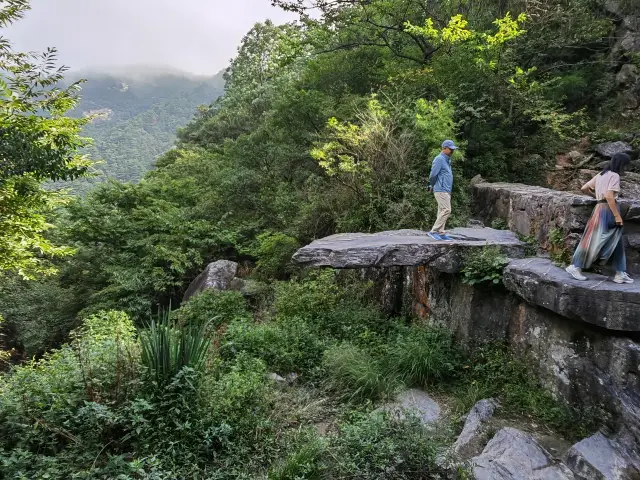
(199, 36)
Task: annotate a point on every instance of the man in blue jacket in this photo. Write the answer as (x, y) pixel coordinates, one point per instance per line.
(441, 181)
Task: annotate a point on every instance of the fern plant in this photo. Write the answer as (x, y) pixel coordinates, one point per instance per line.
(167, 348)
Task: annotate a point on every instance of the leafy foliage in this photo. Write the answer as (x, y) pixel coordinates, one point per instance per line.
(168, 349)
(38, 143)
(486, 266)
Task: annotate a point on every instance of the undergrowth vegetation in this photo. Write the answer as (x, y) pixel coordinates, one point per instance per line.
(180, 400)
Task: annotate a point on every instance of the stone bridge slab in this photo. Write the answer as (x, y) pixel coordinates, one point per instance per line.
(598, 300)
(405, 248)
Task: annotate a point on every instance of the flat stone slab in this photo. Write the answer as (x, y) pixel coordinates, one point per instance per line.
(599, 457)
(413, 402)
(405, 248)
(598, 300)
(515, 455)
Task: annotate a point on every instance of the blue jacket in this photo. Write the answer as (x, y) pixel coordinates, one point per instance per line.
(441, 176)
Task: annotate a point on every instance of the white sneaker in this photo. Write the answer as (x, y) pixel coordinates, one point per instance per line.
(575, 273)
(622, 277)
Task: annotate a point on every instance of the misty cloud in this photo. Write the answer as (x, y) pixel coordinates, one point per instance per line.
(198, 36)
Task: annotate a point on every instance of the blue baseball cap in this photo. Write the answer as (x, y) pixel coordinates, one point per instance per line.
(449, 144)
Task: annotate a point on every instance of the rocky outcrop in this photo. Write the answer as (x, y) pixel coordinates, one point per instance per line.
(598, 301)
(221, 275)
(472, 438)
(627, 45)
(416, 403)
(514, 455)
(539, 212)
(602, 458)
(611, 149)
(405, 248)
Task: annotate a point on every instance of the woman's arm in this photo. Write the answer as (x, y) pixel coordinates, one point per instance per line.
(611, 200)
(589, 190)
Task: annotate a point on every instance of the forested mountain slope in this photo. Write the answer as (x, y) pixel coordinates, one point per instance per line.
(327, 125)
(137, 112)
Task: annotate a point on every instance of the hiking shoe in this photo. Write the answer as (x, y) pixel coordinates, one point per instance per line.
(446, 237)
(575, 273)
(622, 278)
(435, 235)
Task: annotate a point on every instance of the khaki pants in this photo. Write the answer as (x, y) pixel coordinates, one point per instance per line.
(444, 211)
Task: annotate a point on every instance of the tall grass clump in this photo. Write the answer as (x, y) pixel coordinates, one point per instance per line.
(168, 348)
(421, 357)
(354, 374)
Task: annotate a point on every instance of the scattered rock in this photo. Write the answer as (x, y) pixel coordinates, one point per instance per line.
(514, 455)
(475, 224)
(218, 275)
(477, 179)
(413, 402)
(610, 149)
(597, 457)
(628, 75)
(598, 300)
(405, 248)
(469, 442)
(274, 377)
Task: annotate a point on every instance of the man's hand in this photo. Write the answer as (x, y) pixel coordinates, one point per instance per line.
(430, 188)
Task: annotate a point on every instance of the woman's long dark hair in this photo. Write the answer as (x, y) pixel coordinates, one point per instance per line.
(617, 164)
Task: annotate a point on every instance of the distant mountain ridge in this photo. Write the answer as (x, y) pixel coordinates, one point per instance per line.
(136, 115)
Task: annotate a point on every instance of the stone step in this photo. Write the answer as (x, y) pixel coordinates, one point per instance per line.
(598, 300)
(405, 248)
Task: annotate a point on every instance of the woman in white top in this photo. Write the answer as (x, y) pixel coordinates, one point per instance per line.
(602, 238)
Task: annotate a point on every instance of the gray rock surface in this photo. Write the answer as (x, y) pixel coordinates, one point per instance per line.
(404, 248)
(531, 210)
(597, 457)
(413, 402)
(469, 442)
(538, 211)
(218, 275)
(598, 300)
(514, 455)
(610, 149)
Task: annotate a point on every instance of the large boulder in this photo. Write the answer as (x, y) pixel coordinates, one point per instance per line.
(405, 248)
(218, 275)
(598, 457)
(513, 455)
(610, 149)
(598, 300)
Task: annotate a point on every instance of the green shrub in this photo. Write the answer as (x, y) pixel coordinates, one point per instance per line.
(492, 371)
(485, 266)
(421, 357)
(354, 374)
(168, 348)
(499, 224)
(374, 447)
(304, 463)
(558, 248)
(213, 307)
(314, 296)
(289, 345)
(274, 252)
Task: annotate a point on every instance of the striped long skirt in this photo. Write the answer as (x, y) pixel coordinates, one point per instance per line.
(601, 241)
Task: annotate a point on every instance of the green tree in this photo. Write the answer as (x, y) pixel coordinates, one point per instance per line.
(39, 143)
